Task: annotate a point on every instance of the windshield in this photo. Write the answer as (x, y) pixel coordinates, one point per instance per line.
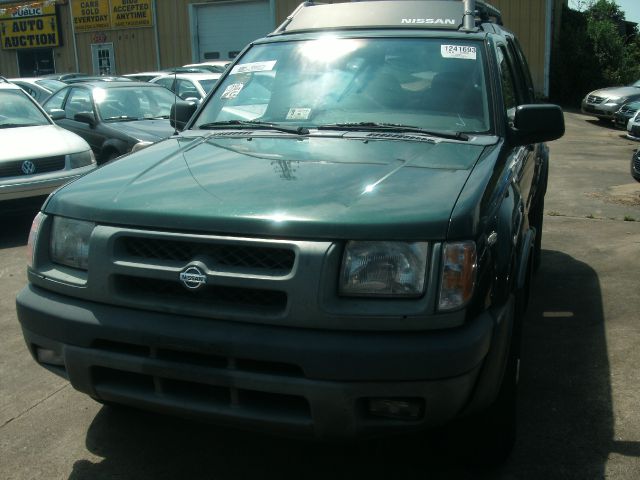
(17, 110)
(133, 103)
(207, 85)
(432, 84)
(52, 85)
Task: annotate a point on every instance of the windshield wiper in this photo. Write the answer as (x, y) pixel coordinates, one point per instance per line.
(256, 125)
(393, 127)
(159, 117)
(120, 118)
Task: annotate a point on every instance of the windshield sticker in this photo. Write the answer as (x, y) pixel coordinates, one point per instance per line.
(458, 51)
(253, 67)
(232, 90)
(298, 114)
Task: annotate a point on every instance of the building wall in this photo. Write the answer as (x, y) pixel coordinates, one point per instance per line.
(527, 19)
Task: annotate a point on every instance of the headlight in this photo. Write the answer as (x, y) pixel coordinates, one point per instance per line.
(458, 274)
(140, 145)
(393, 269)
(82, 159)
(70, 242)
(33, 237)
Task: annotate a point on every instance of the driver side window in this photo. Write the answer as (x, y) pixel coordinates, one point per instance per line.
(79, 101)
(508, 85)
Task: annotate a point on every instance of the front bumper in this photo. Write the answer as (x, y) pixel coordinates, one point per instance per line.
(16, 188)
(301, 382)
(599, 110)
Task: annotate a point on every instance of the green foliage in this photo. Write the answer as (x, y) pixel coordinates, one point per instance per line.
(596, 50)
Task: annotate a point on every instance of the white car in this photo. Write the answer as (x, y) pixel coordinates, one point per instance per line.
(36, 156)
(143, 76)
(633, 127)
(189, 86)
(214, 66)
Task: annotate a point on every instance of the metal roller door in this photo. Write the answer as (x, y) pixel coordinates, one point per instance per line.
(225, 29)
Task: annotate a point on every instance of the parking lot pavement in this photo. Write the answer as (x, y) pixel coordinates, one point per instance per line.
(580, 385)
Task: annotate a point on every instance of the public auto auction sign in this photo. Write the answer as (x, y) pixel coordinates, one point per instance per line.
(29, 25)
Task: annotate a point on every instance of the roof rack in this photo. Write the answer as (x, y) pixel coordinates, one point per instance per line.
(488, 13)
(464, 15)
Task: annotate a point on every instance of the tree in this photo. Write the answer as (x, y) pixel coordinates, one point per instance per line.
(597, 49)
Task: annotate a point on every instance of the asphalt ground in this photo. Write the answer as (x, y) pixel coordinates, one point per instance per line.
(579, 398)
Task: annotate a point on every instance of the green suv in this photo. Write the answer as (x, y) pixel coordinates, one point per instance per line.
(339, 243)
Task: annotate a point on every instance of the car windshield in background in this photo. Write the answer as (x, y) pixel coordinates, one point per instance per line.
(133, 103)
(425, 83)
(53, 85)
(17, 110)
(207, 85)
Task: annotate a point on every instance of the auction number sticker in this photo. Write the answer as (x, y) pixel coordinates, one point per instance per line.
(232, 90)
(464, 52)
(298, 114)
(253, 67)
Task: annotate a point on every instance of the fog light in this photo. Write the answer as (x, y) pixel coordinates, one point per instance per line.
(398, 408)
(49, 357)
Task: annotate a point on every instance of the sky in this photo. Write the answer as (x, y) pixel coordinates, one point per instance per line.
(631, 8)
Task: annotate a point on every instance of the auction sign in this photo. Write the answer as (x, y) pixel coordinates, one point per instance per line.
(104, 14)
(29, 25)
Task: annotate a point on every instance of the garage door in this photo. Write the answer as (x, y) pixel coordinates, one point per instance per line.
(225, 29)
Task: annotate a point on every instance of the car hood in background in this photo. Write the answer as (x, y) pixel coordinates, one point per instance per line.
(146, 130)
(616, 92)
(286, 186)
(25, 143)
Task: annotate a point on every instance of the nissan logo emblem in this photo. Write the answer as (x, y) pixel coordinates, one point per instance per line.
(193, 278)
(28, 167)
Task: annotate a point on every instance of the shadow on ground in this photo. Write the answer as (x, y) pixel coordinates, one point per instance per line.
(566, 420)
(14, 226)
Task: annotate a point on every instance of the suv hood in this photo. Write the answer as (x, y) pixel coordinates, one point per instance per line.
(279, 185)
(147, 130)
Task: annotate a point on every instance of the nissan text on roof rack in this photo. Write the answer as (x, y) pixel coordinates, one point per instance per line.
(339, 243)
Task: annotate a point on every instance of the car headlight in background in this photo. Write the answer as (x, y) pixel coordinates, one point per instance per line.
(70, 242)
(459, 263)
(81, 159)
(393, 269)
(140, 145)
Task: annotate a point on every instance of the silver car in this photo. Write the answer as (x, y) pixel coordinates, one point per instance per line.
(36, 156)
(604, 103)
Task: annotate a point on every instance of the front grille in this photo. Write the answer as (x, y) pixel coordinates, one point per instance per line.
(595, 99)
(204, 387)
(628, 110)
(201, 396)
(199, 359)
(153, 291)
(277, 261)
(42, 165)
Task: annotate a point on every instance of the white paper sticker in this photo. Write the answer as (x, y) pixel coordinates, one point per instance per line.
(464, 52)
(298, 114)
(253, 67)
(232, 90)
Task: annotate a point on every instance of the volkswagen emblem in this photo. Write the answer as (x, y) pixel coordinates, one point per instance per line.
(193, 278)
(28, 167)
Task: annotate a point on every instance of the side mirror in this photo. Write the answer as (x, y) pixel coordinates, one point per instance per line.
(56, 114)
(181, 113)
(537, 123)
(85, 117)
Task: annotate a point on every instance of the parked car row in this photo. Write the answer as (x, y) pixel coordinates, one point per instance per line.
(622, 106)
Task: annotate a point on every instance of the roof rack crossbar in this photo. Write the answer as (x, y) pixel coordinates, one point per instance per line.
(488, 13)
